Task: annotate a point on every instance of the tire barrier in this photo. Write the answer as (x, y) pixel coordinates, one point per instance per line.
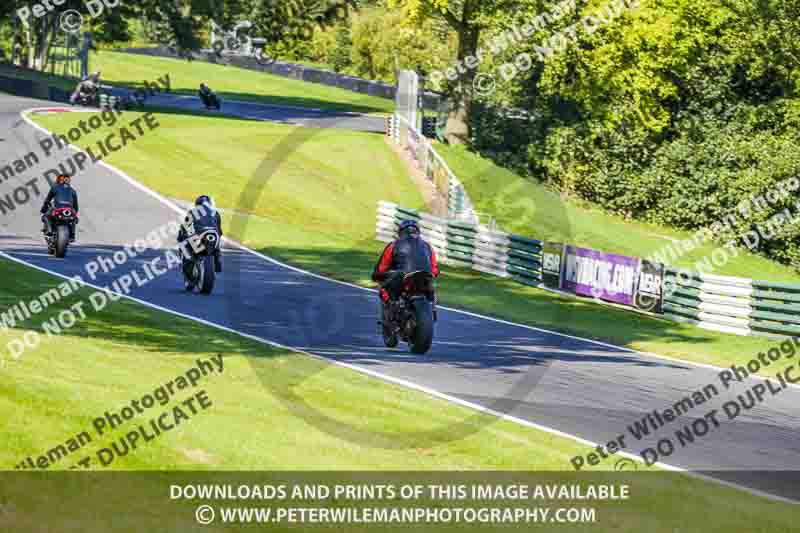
(720, 303)
(733, 305)
(467, 245)
(33, 89)
(712, 302)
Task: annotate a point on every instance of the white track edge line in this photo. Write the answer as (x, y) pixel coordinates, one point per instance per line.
(237, 244)
(384, 377)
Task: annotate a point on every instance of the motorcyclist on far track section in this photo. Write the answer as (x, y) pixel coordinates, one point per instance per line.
(61, 195)
(409, 253)
(88, 86)
(204, 215)
(208, 97)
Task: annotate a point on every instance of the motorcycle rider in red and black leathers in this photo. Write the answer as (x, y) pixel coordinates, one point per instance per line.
(409, 253)
(61, 195)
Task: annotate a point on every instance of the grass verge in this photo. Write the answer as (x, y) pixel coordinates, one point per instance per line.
(311, 197)
(232, 83)
(55, 391)
(525, 207)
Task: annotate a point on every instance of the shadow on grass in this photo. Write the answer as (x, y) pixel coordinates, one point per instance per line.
(122, 322)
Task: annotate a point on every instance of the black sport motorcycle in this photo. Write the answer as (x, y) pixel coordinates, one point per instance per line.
(96, 95)
(61, 221)
(211, 100)
(87, 95)
(198, 268)
(411, 318)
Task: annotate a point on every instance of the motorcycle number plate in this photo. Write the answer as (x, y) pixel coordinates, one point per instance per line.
(196, 243)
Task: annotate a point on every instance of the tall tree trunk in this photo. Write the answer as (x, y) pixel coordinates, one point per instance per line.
(48, 38)
(29, 29)
(457, 131)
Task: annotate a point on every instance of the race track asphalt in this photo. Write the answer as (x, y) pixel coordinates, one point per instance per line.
(582, 388)
(318, 118)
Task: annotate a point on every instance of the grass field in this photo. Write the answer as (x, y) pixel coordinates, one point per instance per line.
(310, 196)
(232, 83)
(526, 207)
(265, 405)
(313, 194)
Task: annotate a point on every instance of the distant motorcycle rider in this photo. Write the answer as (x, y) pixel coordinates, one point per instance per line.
(88, 86)
(204, 216)
(409, 253)
(208, 97)
(61, 195)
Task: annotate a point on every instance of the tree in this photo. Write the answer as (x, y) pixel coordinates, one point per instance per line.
(467, 18)
(340, 56)
(287, 22)
(382, 45)
(181, 23)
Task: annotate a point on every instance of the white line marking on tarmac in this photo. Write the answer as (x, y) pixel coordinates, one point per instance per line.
(384, 377)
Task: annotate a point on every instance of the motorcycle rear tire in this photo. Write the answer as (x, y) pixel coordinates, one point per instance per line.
(62, 240)
(207, 275)
(422, 338)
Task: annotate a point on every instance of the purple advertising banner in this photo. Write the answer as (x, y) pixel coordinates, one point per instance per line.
(609, 277)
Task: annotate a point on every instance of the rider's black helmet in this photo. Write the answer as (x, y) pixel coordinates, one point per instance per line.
(408, 227)
(202, 200)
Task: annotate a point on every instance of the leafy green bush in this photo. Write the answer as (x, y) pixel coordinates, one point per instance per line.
(673, 112)
(374, 44)
(340, 55)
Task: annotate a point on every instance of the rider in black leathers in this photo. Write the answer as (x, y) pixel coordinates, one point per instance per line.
(208, 97)
(88, 86)
(61, 195)
(409, 253)
(203, 216)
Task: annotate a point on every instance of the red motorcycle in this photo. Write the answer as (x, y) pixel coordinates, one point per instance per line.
(411, 318)
(62, 221)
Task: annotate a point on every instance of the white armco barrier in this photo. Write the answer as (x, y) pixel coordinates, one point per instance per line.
(427, 159)
(731, 305)
(456, 242)
(718, 303)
